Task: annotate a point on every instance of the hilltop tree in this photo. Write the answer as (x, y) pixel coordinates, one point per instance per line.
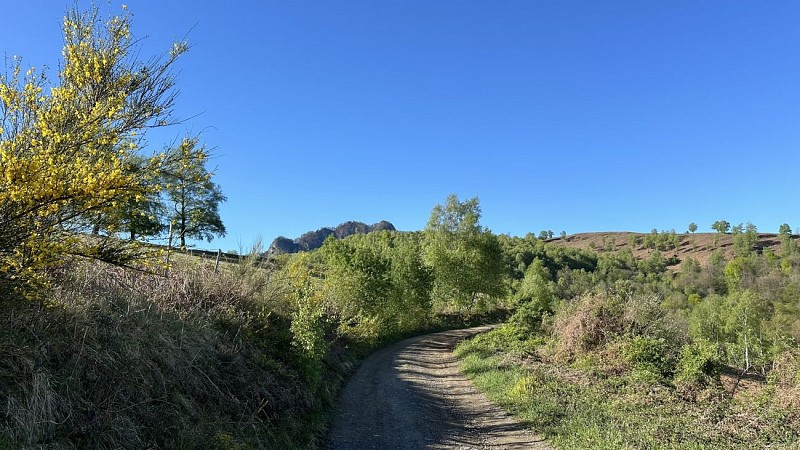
(692, 227)
(194, 199)
(745, 239)
(721, 226)
(66, 148)
(466, 259)
(788, 246)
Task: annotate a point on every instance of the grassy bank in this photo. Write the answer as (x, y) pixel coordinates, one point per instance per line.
(589, 404)
(115, 358)
(120, 359)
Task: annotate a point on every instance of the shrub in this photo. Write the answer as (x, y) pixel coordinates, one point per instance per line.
(586, 324)
(634, 325)
(785, 378)
(650, 355)
(698, 364)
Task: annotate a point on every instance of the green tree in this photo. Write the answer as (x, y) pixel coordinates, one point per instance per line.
(141, 217)
(535, 297)
(692, 227)
(788, 246)
(359, 284)
(66, 148)
(378, 283)
(194, 198)
(716, 272)
(736, 323)
(721, 226)
(137, 216)
(465, 258)
(412, 281)
(745, 239)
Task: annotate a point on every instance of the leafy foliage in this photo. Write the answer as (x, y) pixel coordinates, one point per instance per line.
(70, 156)
(194, 198)
(659, 347)
(465, 258)
(721, 226)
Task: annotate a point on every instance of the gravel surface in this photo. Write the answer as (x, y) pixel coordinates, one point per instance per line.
(411, 395)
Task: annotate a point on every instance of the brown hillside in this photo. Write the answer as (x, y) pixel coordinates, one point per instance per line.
(698, 246)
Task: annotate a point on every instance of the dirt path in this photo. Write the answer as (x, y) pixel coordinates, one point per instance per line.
(411, 395)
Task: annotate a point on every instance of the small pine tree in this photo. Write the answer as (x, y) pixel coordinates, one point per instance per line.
(194, 198)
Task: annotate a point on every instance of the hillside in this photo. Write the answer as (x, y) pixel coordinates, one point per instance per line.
(698, 246)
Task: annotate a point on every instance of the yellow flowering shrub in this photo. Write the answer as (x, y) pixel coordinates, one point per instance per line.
(70, 150)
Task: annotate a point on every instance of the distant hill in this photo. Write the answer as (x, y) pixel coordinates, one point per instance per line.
(314, 239)
(697, 246)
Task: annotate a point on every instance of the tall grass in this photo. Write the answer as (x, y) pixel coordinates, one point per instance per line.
(122, 359)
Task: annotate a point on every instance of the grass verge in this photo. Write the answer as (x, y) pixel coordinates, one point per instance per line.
(579, 407)
(120, 359)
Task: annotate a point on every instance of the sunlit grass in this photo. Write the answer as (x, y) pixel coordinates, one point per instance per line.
(577, 409)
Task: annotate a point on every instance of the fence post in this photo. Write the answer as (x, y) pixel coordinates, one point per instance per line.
(216, 265)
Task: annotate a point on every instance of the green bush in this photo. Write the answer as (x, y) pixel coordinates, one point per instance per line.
(698, 364)
(649, 354)
(529, 316)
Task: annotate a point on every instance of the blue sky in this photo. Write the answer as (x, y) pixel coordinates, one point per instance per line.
(570, 115)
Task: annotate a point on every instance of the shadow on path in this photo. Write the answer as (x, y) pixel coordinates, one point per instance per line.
(411, 395)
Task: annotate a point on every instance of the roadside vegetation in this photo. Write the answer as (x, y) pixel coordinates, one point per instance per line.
(250, 355)
(107, 341)
(623, 353)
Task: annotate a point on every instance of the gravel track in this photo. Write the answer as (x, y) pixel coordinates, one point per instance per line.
(411, 395)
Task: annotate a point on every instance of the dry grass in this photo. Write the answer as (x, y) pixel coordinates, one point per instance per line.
(120, 359)
(585, 324)
(785, 377)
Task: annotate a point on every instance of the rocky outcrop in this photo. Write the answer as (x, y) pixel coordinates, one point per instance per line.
(314, 239)
(283, 245)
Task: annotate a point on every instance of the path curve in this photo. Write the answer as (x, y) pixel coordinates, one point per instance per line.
(411, 395)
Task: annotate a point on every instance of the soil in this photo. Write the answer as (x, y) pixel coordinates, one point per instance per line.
(411, 395)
